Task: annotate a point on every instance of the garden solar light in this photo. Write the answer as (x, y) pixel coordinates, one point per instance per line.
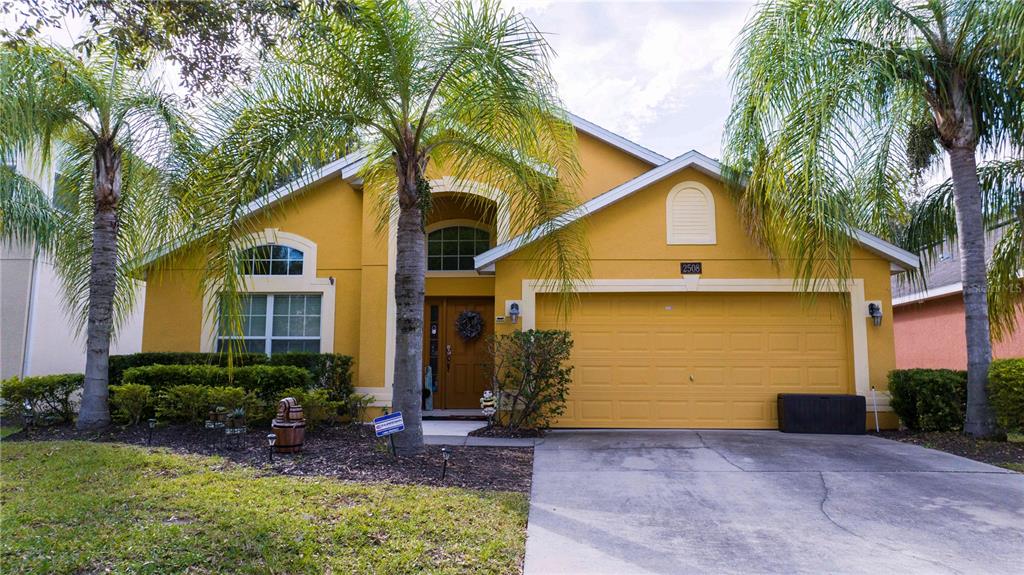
(29, 415)
(152, 424)
(271, 440)
(445, 454)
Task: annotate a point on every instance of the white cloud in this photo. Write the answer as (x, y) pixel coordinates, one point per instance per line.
(655, 72)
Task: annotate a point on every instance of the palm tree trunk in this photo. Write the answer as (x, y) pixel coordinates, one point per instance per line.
(95, 410)
(410, 288)
(971, 237)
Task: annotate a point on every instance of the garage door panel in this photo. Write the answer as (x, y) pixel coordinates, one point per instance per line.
(698, 360)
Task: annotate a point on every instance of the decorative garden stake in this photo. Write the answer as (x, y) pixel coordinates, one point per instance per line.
(271, 440)
(29, 415)
(152, 424)
(488, 405)
(445, 454)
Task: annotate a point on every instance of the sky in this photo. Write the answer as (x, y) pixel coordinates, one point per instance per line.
(656, 72)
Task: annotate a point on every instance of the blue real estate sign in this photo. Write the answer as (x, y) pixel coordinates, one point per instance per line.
(388, 424)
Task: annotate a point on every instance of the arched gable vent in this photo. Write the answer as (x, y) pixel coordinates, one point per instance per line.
(690, 211)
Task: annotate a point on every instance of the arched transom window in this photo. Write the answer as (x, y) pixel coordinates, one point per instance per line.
(271, 260)
(690, 214)
(453, 248)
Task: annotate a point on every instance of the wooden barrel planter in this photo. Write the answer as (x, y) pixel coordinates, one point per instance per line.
(289, 426)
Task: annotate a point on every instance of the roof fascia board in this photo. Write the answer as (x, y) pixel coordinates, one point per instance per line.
(609, 137)
(693, 159)
(929, 294)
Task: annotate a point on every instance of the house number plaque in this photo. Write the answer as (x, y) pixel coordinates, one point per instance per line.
(688, 268)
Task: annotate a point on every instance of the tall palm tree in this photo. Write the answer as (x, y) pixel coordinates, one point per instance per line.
(460, 87)
(116, 140)
(839, 104)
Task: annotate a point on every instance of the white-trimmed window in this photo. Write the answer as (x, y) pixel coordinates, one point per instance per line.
(452, 248)
(271, 260)
(690, 214)
(273, 323)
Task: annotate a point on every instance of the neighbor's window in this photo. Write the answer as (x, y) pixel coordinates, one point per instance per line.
(272, 323)
(271, 260)
(453, 248)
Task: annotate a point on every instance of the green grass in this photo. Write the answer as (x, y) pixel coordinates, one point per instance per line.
(6, 430)
(73, 507)
(1019, 467)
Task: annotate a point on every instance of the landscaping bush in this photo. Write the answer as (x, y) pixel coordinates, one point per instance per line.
(160, 377)
(929, 399)
(121, 363)
(130, 402)
(530, 379)
(1006, 392)
(356, 405)
(48, 395)
(187, 403)
(269, 382)
(230, 398)
(330, 371)
(317, 406)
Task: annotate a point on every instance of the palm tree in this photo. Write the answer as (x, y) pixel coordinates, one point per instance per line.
(840, 104)
(461, 87)
(114, 138)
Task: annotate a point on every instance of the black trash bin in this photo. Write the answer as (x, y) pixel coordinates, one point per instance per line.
(819, 413)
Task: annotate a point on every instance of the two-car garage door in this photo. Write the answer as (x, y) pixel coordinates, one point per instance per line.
(705, 360)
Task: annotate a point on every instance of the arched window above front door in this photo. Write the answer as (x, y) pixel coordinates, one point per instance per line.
(453, 248)
(271, 260)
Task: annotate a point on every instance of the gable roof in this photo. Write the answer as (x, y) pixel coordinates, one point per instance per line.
(694, 159)
(609, 137)
(942, 276)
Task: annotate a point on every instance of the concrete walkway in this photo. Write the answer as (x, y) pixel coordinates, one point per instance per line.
(455, 432)
(628, 502)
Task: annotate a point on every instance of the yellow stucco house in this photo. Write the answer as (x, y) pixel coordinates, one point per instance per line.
(685, 323)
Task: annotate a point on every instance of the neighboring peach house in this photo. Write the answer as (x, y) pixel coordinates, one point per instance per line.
(684, 322)
(930, 322)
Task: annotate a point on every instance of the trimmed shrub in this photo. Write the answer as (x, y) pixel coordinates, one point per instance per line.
(1006, 392)
(317, 406)
(330, 371)
(48, 395)
(929, 399)
(130, 402)
(531, 379)
(121, 363)
(161, 377)
(269, 382)
(183, 403)
(230, 398)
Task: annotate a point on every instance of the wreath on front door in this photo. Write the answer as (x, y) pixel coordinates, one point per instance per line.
(469, 325)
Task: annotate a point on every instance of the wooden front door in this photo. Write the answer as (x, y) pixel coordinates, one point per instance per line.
(460, 367)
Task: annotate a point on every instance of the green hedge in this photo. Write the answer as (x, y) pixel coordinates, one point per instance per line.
(48, 395)
(1006, 392)
(120, 363)
(330, 371)
(265, 381)
(929, 399)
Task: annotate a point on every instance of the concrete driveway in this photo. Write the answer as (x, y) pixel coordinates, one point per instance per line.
(685, 501)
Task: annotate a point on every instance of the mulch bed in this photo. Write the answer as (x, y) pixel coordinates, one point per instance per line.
(994, 452)
(347, 453)
(505, 432)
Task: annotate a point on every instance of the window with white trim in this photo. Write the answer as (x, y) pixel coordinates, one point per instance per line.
(272, 323)
(271, 260)
(453, 248)
(690, 215)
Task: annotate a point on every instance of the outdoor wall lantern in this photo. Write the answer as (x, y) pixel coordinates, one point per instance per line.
(513, 312)
(271, 440)
(875, 311)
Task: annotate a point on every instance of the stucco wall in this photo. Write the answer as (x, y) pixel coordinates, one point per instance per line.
(931, 334)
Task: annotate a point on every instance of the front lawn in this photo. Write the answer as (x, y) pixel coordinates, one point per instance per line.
(81, 507)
